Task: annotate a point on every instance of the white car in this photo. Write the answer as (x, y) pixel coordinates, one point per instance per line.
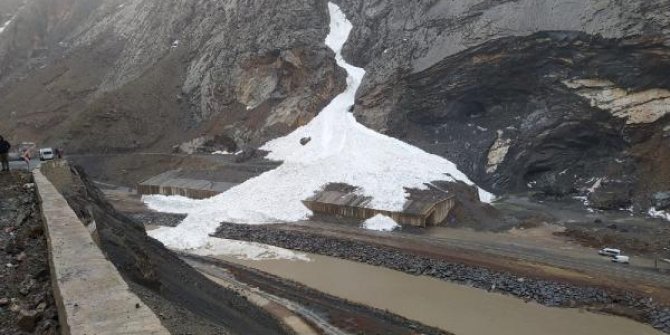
(14, 157)
(609, 252)
(47, 154)
(621, 259)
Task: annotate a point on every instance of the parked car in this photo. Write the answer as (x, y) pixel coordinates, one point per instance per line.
(621, 259)
(46, 154)
(14, 157)
(609, 252)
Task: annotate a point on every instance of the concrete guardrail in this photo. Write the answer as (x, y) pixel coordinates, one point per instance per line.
(91, 295)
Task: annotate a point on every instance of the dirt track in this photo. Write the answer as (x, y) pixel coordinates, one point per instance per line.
(503, 251)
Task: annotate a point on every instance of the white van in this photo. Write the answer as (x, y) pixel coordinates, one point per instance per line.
(609, 252)
(621, 259)
(46, 154)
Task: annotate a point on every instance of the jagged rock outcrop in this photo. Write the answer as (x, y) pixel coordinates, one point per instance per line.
(523, 95)
(391, 38)
(504, 113)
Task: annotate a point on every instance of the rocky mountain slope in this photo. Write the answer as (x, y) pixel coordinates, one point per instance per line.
(559, 97)
(151, 74)
(556, 112)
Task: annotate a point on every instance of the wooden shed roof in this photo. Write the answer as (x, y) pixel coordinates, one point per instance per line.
(180, 179)
(418, 203)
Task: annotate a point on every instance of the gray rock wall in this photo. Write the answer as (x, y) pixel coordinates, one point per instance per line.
(394, 37)
(251, 70)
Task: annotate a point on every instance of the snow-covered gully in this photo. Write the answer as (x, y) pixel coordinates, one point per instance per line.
(341, 150)
(4, 26)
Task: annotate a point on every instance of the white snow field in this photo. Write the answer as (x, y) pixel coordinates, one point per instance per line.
(340, 150)
(246, 250)
(380, 222)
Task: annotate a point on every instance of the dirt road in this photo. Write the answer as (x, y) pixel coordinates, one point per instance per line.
(546, 256)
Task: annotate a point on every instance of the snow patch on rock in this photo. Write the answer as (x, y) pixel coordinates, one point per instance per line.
(380, 222)
(659, 214)
(598, 183)
(5, 25)
(246, 250)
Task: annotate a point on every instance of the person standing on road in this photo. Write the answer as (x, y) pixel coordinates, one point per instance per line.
(26, 157)
(4, 154)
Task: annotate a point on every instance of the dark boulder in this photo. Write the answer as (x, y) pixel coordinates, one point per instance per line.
(611, 197)
(27, 320)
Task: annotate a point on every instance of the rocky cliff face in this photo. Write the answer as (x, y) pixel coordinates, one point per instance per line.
(391, 38)
(158, 73)
(547, 96)
(552, 112)
(543, 95)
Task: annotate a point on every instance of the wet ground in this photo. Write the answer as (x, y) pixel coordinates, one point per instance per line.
(26, 300)
(22, 165)
(339, 314)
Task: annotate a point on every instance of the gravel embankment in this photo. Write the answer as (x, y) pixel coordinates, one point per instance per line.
(546, 292)
(157, 219)
(26, 300)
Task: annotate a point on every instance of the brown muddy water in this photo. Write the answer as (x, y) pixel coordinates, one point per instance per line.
(455, 308)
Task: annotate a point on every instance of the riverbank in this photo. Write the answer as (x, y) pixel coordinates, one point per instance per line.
(458, 309)
(545, 292)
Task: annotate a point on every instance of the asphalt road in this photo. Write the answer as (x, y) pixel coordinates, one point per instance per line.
(21, 165)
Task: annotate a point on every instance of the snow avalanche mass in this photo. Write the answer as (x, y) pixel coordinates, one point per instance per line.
(341, 150)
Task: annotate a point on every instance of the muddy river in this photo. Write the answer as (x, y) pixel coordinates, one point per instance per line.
(455, 308)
